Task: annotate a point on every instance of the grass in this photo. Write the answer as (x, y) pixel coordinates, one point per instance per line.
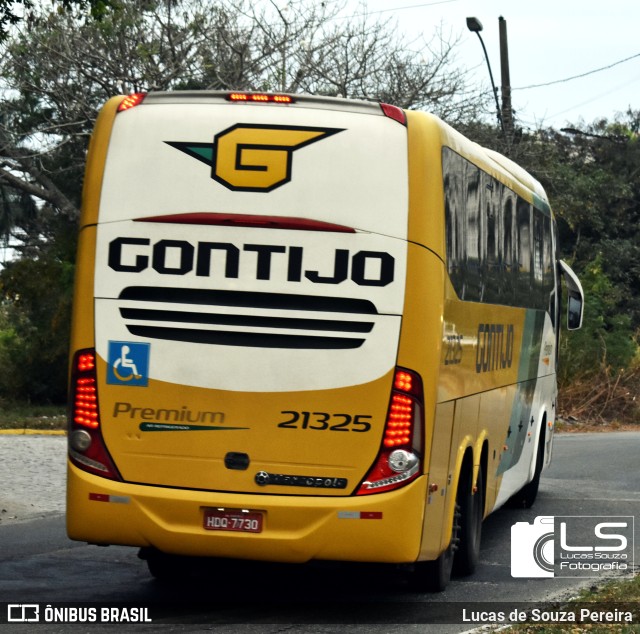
(623, 594)
(36, 417)
(614, 592)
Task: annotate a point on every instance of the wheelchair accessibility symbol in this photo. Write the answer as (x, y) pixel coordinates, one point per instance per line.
(128, 363)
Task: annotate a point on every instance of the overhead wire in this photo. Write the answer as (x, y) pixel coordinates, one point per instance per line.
(590, 72)
(581, 75)
(411, 6)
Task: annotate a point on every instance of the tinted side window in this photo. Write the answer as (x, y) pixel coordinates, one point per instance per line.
(499, 246)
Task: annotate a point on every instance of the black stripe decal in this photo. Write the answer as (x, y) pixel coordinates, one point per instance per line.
(243, 299)
(245, 320)
(245, 339)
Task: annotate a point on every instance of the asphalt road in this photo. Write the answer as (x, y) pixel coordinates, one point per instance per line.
(592, 474)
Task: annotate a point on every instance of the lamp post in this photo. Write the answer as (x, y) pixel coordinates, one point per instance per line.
(475, 26)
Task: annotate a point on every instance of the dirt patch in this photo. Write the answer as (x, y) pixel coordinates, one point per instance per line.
(609, 401)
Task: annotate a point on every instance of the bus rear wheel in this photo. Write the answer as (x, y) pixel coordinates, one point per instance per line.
(527, 495)
(163, 566)
(471, 514)
(434, 576)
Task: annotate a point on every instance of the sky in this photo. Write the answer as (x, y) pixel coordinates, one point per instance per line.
(548, 41)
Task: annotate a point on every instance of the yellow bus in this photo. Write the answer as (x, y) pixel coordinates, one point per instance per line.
(307, 328)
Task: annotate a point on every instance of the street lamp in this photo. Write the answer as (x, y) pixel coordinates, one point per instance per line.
(475, 26)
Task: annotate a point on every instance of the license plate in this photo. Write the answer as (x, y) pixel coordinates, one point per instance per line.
(233, 520)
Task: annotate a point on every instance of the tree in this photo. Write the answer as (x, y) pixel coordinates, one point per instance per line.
(58, 68)
(62, 68)
(592, 177)
(605, 340)
(35, 300)
(13, 11)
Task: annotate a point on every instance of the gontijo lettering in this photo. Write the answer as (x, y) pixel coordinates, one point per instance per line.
(179, 257)
(494, 349)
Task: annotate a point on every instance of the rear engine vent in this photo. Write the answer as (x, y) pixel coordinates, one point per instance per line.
(238, 318)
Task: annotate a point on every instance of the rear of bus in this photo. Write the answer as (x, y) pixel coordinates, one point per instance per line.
(237, 387)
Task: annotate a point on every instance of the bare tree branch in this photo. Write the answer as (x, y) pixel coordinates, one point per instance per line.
(59, 69)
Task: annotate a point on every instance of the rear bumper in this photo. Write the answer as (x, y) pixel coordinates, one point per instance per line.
(375, 528)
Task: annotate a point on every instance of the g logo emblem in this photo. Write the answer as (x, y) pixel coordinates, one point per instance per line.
(252, 157)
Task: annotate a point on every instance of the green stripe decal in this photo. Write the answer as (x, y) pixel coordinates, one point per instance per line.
(168, 427)
(541, 204)
(521, 421)
(531, 341)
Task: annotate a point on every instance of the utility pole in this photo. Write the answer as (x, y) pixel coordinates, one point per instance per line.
(507, 111)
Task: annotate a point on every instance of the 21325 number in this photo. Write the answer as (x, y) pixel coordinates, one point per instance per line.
(323, 421)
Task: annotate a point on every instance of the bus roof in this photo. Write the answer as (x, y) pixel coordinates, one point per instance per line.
(498, 165)
(300, 100)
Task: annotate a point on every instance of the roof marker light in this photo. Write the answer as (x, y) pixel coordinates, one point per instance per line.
(135, 99)
(249, 97)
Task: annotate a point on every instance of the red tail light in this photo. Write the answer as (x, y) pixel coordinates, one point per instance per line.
(400, 458)
(395, 113)
(131, 101)
(86, 445)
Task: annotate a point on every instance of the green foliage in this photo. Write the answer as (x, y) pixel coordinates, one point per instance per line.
(35, 309)
(29, 416)
(63, 59)
(605, 341)
(592, 178)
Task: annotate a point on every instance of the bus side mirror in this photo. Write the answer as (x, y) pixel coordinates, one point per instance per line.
(575, 303)
(574, 311)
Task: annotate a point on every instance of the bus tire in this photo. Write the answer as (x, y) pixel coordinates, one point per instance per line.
(434, 576)
(471, 515)
(163, 566)
(526, 496)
